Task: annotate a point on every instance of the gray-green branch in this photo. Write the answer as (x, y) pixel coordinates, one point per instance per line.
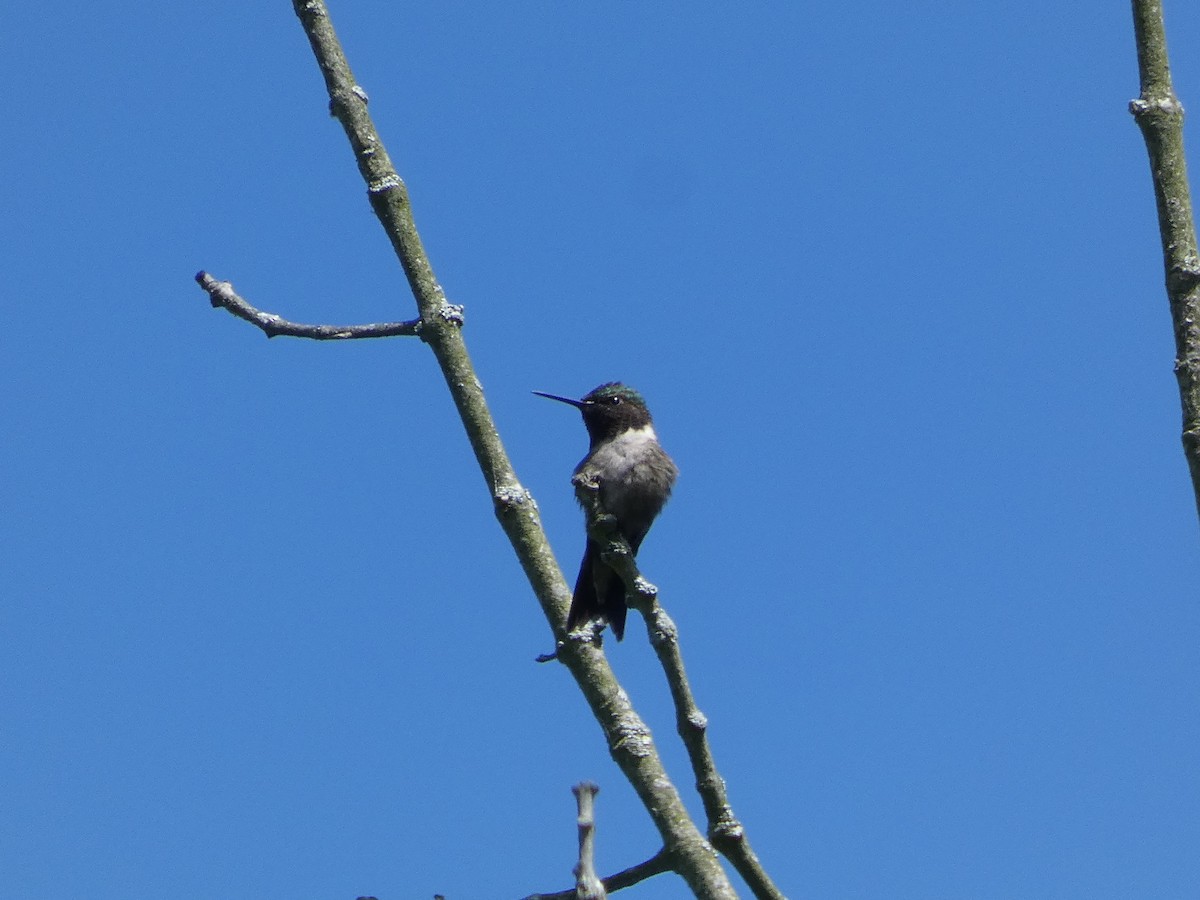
(1159, 115)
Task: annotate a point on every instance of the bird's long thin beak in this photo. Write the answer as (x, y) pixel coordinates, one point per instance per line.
(578, 404)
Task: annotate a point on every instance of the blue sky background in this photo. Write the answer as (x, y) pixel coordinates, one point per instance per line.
(891, 282)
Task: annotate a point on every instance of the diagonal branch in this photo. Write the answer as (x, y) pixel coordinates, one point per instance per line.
(628, 737)
(221, 294)
(1159, 115)
(726, 833)
(657, 864)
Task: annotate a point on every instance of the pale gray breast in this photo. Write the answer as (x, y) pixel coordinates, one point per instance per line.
(635, 474)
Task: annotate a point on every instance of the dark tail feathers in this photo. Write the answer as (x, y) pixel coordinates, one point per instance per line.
(599, 594)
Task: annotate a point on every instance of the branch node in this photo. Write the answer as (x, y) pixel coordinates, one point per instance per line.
(382, 185)
(1168, 105)
(726, 830)
(452, 313)
(511, 498)
(1184, 276)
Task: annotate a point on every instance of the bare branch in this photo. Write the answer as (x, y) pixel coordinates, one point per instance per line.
(628, 737)
(1159, 115)
(685, 850)
(222, 295)
(725, 832)
(657, 864)
(587, 884)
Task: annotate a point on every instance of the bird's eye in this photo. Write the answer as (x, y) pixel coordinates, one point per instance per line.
(615, 400)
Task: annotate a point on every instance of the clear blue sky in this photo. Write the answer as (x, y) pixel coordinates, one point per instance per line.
(890, 280)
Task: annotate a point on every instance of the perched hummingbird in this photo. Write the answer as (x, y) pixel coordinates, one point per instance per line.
(635, 477)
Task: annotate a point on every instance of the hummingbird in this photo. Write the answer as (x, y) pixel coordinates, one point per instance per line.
(635, 477)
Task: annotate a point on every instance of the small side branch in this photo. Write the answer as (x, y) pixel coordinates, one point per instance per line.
(725, 832)
(657, 864)
(221, 294)
(588, 885)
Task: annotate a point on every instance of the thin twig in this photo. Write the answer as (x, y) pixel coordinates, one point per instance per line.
(725, 832)
(221, 294)
(588, 885)
(1159, 115)
(657, 864)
